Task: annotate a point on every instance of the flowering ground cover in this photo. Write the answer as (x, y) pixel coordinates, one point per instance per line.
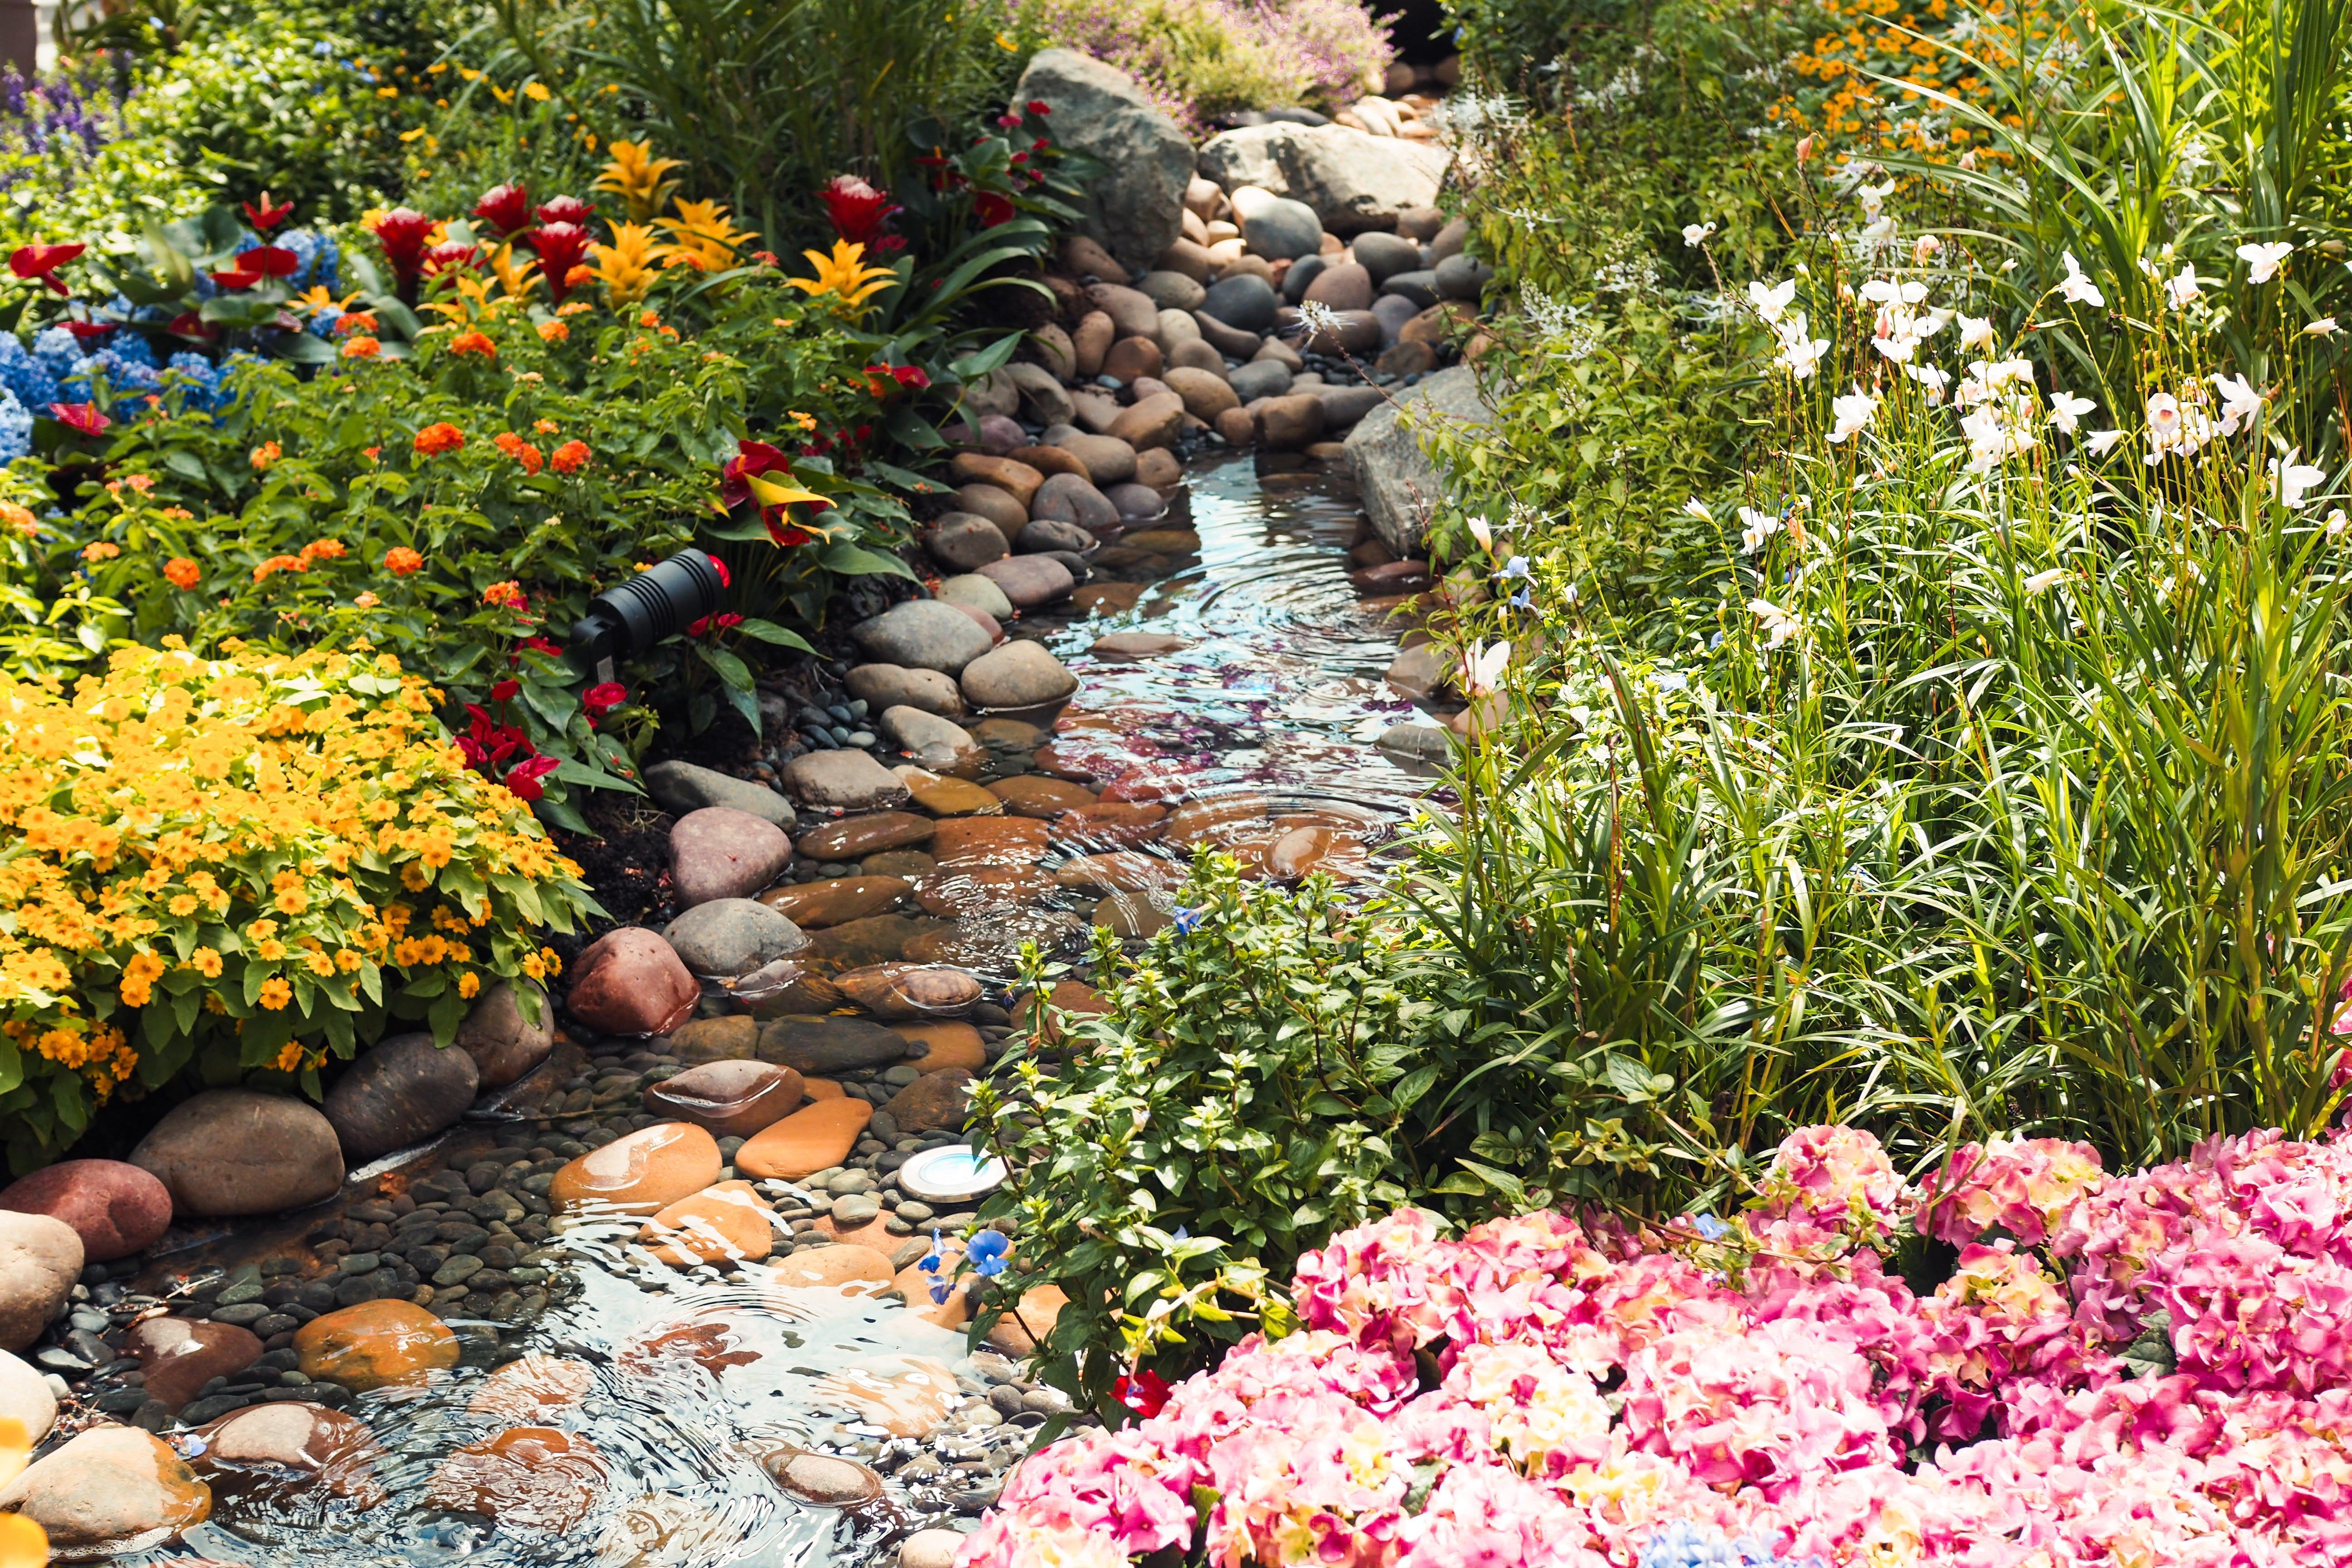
(2136, 1369)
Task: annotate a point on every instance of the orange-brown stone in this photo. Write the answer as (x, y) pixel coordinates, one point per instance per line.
(1034, 794)
(854, 838)
(376, 1344)
(829, 1267)
(816, 1136)
(533, 1388)
(1112, 824)
(729, 1098)
(177, 1356)
(980, 890)
(1018, 480)
(1303, 851)
(990, 841)
(836, 900)
(1019, 1332)
(938, 1046)
(639, 1171)
(729, 1221)
(1121, 871)
(907, 1395)
(531, 1478)
(894, 990)
(944, 796)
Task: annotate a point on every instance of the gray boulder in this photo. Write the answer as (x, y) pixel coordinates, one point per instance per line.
(1394, 473)
(973, 592)
(400, 1091)
(1098, 109)
(1354, 181)
(845, 780)
(965, 541)
(922, 633)
(728, 937)
(1021, 674)
(1043, 400)
(684, 788)
(1385, 255)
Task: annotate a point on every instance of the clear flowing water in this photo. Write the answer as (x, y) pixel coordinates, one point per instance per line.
(670, 1385)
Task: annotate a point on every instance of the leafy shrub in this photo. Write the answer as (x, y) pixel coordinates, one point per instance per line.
(239, 865)
(1199, 59)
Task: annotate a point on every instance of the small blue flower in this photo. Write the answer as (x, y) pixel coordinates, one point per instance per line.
(1182, 1234)
(1710, 1227)
(986, 1252)
(1187, 922)
(1523, 600)
(1516, 566)
(930, 1266)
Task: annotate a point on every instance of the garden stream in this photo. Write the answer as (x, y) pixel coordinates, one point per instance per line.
(606, 1407)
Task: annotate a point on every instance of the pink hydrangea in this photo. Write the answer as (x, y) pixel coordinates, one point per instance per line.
(2027, 1189)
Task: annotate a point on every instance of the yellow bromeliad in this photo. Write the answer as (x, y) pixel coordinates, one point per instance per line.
(627, 266)
(844, 276)
(705, 236)
(516, 280)
(639, 178)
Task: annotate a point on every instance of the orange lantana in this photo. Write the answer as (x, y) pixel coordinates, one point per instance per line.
(362, 347)
(280, 563)
(181, 571)
(570, 458)
(439, 438)
(400, 561)
(474, 343)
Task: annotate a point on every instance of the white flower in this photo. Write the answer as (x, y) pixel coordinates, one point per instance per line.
(1697, 233)
(1482, 667)
(1778, 625)
(2101, 442)
(1800, 353)
(2067, 409)
(2323, 328)
(1888, 291)
(1976, 335)
(2295, 480)
(1879, 228)
(1994, 432)
(2337, 523)
(1755, 527)
(1482, 533)
(2078, 289)
(1771, 300)
(2163, 416)
(2241, 404)
(1852, 414)
(2043, 579)
(2263, 261)
(1925, 248)
(1934, 377)
(2181, 290)
(1697, 509)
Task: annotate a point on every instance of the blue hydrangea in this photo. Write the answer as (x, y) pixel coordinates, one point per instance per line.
(15, 427)
(323, 325)
(128, 370)
(322, 259)
(1688, 1545)
(58, 352)
(31, 383)
(131, 348)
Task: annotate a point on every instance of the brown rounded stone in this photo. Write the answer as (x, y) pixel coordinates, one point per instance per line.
(954, 892)
(729, 1098)
(1151, 421)
(1112, 825)
(897, 990)
(1029, 582)
(1303, 851)
(109, 1491)
(1034, 795)
(726, 1222)
(945, 796)
(938, 1047)
(997, 506)
(239, 1152)
(1130, 359)
(115, 1207)
(829, 1267)
(1018, 480)
(630, 982)
(731, 1039)
(1119, 871)
(1288, 423)
(818, 1136)
(376, 1344)
(1092, 339)
(1020, 1331)
(836, 900)
(855, 836)
(533, 1478)
(935, 1102)
(989, 841)
(289, 1444)
(1049, 460)
(177, 1356)
(1204, 392)
(719, 852)
(1159, 470)
(1238, 427)
(1216, 820)
(877, 938)
(640, 1171)
(510, 1031)
(532, 1388)
(822, 1479)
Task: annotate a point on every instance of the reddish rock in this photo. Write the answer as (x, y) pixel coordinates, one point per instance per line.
(1151, 421)
(630, 982)
(953, 891)
(115, 1207)
(1130, 359)
(531, 1478)
(109, 1491)
(719, 852)
(854, 838)
(934, 1102)
(1119, 871)
(283, 1446)
(640, 1171)
(726, 1222)
(989, 841)
(1345, 287)
(836, 900)
(1092, 339)
(728, 1098)
(177, 1356)
(1018, 480)
(1034, 795)
(376, 1344)
(815, 1138)
(1288, 423)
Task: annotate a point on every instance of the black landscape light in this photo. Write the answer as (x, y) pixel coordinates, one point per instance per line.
(637, 613)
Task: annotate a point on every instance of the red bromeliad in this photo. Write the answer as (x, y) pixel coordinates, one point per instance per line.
(566, 209)
(505, 208)
(859, 211)
(561, 247)
(403, 233)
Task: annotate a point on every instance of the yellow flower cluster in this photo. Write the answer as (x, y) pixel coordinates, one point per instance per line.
(1892, 38)
(264, 855)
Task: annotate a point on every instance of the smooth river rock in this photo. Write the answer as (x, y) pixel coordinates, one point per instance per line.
(682, 787)
(114, 1206)
(922, 633)
(880, 686)
(110, 1490)
(730, 937)
(849, 779)
(1021, 674)
(376, 1344)
(728, 1098)
(508, 1032)
(177, 1356)
(815, 1138)
(239, 1152)
(719, 852)
(400, 1091)
(721, 1223)
(630, 982)
(818, 1046)
(1030, 581)
(640, 1171)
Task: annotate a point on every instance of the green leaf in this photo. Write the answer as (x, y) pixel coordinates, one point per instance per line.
(972, 366)
(769, 632)
(857, 561)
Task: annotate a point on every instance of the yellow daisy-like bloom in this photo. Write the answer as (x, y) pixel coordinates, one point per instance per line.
(843, 277)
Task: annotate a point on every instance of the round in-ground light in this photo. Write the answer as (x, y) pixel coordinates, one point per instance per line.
(950, 1174)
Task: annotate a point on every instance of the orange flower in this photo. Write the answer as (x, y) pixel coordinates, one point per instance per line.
(142, 483)
(181, 571)
(101, 551)
(474, 343)
(555, 332)
(367, 601)
(362, 347)
(323, 549)
(18, 519)
(436, 438)
(264, 456)
(545, 426)
(520, 450)
(355, 322)
(280, 563)
(507, 593)
(400, 561)
(570, 458)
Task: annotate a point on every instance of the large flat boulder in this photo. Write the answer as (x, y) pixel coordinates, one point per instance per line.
(1098, 109)
(1353, 181)
(1393, 474)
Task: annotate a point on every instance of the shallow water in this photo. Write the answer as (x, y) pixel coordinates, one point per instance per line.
(690, 1373)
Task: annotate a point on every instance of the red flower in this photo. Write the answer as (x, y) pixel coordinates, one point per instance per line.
(786, 534)
(402, 232)
(750, 457)
(1039, 107)
(504, 691)
(1010, 122)
(487, 744)
(42, 261)
(1145, 1393)
(265, 217)
(269, 260)
(602, 700)
(566, 209)
(858, 211)
(562, 245)
(911, 377)
(84, 331)
(991, 208)
(237, 279)
(188, 324)
(81, 418)
(451, 256)
(727, 580)
(505, 208)
(522, 780)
